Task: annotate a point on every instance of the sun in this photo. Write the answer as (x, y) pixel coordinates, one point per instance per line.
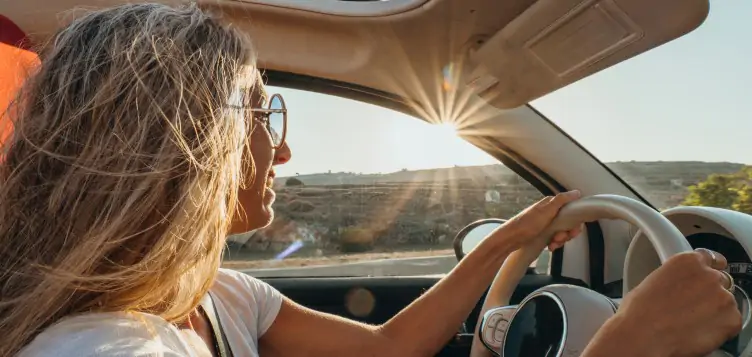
(444, 130)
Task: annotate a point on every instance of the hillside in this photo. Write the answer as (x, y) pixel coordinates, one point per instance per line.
(443, 174)
(665, 183)
(657, 173)
(424, 209)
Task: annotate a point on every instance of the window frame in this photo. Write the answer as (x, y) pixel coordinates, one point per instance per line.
(544, 183)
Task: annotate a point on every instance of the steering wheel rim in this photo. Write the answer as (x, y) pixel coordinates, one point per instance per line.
(664, 236)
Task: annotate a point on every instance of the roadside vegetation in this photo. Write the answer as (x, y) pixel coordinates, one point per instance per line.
(731, 191)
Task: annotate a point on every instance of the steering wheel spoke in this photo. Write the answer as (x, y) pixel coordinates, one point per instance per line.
(494, 326)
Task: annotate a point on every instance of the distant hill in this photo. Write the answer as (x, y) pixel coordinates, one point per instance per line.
(431, 175)
(660, 173)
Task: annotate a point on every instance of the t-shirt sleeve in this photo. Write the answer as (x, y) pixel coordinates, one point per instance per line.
(269, 302)
(263, 299)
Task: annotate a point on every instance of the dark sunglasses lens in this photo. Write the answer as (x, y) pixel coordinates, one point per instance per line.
(536, 329)
(276, 120)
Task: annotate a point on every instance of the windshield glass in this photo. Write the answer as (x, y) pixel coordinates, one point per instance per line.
(667, 120)
(373, 192)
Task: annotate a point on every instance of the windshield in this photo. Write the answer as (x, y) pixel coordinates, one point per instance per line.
(373, 192)
(667, 120)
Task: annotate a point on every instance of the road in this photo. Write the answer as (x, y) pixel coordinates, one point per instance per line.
(384, 267)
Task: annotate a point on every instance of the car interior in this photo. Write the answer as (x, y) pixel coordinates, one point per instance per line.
(481, 61)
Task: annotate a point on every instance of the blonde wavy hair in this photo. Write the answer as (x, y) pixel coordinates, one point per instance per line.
(120, 179)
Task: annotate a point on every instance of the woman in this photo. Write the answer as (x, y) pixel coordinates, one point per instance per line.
(142, 131)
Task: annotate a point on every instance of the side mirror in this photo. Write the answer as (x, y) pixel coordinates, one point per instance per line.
(470, 236)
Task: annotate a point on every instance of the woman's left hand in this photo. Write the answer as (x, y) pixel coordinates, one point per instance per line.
(531, 222)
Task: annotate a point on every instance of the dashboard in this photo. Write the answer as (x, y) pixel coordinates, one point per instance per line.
(724, 231)
(740, 267)
(720, 230)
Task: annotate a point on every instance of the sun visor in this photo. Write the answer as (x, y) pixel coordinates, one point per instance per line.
(557, 42)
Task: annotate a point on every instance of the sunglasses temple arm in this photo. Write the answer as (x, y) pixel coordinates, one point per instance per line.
(256, 110)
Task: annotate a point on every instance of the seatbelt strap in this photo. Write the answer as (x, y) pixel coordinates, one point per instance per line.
(220, 340)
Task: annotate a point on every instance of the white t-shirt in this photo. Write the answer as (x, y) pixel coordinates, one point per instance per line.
(245, 306)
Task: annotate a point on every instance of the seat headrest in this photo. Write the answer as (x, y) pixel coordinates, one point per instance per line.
(11, 34)
(17, 62)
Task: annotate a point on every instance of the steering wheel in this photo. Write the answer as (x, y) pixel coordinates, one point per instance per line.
(664, 236)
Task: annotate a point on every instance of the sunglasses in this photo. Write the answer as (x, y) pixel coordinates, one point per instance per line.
(274, 118)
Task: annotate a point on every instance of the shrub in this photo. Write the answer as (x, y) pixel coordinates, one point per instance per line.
(300, 206)
(292, 181)
(355, 240)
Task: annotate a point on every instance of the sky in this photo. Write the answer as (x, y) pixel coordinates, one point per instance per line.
(684, 100)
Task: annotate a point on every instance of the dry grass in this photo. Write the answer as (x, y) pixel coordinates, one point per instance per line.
(408, 210)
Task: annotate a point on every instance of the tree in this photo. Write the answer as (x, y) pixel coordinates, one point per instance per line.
(716, 191)
(744, 201)
(732, 191)
(745, 174)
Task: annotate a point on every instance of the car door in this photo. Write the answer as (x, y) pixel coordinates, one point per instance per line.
(368, 207)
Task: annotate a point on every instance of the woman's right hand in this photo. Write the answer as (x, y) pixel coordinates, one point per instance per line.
(680, 309)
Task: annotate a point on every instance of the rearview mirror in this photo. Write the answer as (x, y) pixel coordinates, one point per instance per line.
(470, 236)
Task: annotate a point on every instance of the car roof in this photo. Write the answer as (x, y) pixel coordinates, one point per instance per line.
(436, 54)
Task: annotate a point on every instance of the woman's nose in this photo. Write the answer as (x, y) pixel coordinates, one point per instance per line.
(282, 155)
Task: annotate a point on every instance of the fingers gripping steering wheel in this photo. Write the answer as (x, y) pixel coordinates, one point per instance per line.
(664, 236)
